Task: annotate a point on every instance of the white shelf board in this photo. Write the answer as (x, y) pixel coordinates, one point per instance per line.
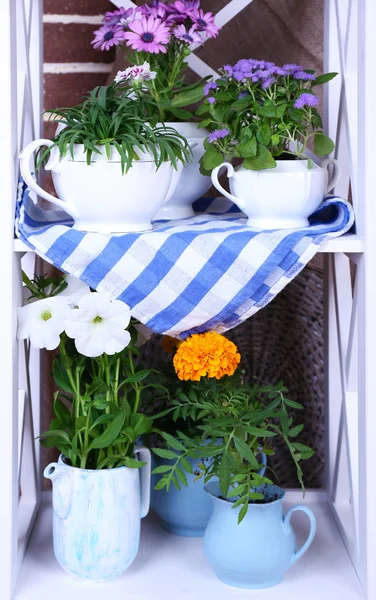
(349, 242)
(168, 567)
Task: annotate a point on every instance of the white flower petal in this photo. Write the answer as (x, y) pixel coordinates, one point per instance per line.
(95, 302)
(43, 332)
(75, 290)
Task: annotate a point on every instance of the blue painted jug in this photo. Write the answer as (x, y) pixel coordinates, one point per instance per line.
(187, 511)
(257, 552)
(96, 517)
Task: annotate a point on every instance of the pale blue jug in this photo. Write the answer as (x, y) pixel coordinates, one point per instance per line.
(257, 552)
(96, 517)
(185, 512)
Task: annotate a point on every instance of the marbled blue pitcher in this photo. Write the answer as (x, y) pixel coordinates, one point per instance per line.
(96, 517)
(187, 511)
(257, 552)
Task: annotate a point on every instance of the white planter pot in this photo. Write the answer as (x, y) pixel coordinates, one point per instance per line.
(279, 198)
(99, 197)
(96, 517)
(191, 185)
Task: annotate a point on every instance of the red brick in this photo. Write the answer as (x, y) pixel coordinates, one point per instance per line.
(68, 89)
(77, 7)
(71, 43)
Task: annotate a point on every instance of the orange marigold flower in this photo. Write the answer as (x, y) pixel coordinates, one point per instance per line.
(204, 354)
(169, 344)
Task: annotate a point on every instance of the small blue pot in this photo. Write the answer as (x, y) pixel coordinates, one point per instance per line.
(257, 552)
(185, 512)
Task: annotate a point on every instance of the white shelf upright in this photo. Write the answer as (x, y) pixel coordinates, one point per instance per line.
(341, 559)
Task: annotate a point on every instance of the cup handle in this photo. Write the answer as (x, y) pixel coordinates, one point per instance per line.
(336, 172)
(312, 519)
(230, 173)
(53, 162)
(145, 474)
(62, 497)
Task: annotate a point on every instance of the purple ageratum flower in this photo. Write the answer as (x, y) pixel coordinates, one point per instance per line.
(212, 85)
(238, 75)
(268, 82)
(306, 100)
(244, 65)
(228, 69)
(205, 22)
(191, 36)
(148, 35)
(218, 134)
(304, 76)
(112, 18)
(107, 36)
(291, 68)
(211, 100)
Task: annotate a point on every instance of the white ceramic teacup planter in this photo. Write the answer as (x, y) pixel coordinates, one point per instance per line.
(98, 196)
(192, 184)
(279, 198)
(96, 520)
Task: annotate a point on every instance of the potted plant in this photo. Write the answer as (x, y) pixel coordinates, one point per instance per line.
(111, 167)
(180, 500)
(263, 117)
(162, 35)
(101, 482)
(248, 540)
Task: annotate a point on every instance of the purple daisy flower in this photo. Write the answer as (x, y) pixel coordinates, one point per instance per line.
(306, 100)
(149, 35)
(112, 18)
(191, 36)
(212, 85)
(204, 22)
(304, 76)
(218, 134)
(211, 100)
(107, 36)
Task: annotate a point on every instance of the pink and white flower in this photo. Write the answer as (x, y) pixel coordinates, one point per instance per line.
(191, 36)
(137, 73)
(204, 22)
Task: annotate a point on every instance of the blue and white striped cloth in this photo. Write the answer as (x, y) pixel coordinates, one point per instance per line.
(209, 272)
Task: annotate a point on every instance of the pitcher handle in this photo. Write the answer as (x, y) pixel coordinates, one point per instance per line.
(312, 520)
(145, 474)
(62, 498)
(336, 172)
(230, 173)
(52, 163)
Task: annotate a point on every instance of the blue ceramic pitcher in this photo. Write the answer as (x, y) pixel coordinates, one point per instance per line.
(185, 512)
(257, 552)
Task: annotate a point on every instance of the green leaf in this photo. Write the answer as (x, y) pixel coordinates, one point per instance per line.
(139, 376)
(62, 412)
(245, 452)
(61, 377)
(110, 434)
(236, 491)
(188, 97)
(247, 149)
(296, 430)
(241, 103)
(264, 133)
(263, 160)
(243, 511)
(224, 475)
(292, 403)
(163, 453)
(181, 476)
(133, 463)
(272, 110)
(161, 469)
(187, 466)
(212, 158)
(173, 442)
(322, 144)
(61, 435)
(323, 78)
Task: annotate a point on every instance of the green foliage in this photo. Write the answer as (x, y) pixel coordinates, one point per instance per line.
(263, 123)
(109, 118)
(234, 422)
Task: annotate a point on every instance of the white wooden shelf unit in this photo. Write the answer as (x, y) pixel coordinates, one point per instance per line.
(341, 560)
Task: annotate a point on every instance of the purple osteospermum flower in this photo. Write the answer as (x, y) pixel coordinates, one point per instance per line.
(149, 35)
(212, 85)
(112, 18)
(304, 76)
(107, 36)
(211, 100)
(306, 100)
(191, 36)
(204, 22)
(218, 134)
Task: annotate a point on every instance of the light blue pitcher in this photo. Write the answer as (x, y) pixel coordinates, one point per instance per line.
(96, 517)
(185, 512)
(257, 552)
